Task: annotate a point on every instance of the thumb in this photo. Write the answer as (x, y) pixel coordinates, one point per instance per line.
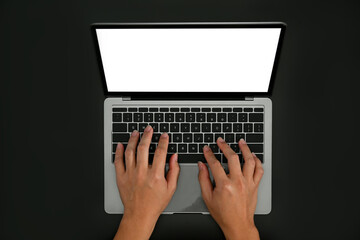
(205, 183)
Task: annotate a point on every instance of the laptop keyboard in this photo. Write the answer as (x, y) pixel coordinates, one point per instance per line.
(190, 129)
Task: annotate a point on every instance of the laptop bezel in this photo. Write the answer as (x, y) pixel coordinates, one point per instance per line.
(189, 95)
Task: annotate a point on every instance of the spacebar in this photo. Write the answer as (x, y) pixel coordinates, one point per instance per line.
(186, 157)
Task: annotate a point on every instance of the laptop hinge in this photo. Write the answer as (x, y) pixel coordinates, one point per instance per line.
(126, 98)
(249, 98)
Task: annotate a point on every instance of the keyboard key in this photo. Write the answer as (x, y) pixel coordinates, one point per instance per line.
(195, 109)
(232, 117)
(227, 109)
(211, 117)
(132, 110)
(193, 148)
(238, 136)
(258, 109)
(174, 127)
(120, 127)
(170, 137)
(155, 137)
(194, 157)
(164, 109)
(127, 117)
(208, 137)
(164, 127)
(185, 127)
(214, 148)
(182, 148)
(198, 137)
(169, 117)
(195, 127)
(155, 126)
(142, 126)
(116, 117)
(248, 109)
(206, 127)
(133, 126)
(177, 137)
(185, 109)
(261, 157)
(153, 109)
(159, 117)
(216, 127)
(229, 137)
(143, 109)
(242, 117)
(216, 109)
(200, 117)
(227, 127)
(235, 147)
(120, 137)
(258, 127)
(206, 109)
(180, 117)
(172, 148)
(201, 146)
(221, 117)
(248, 127)
(174, 109)
(148, 117)
(256, 148)
(237, 109)
(257, 137)
(152, 148)
(119, 110)
(217, 135)
(256, 117)
(190, 117)
(114, 147)
(237, 127)
(138, 117)
(187, 137)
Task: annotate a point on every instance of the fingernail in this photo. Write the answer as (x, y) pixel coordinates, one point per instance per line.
(176, 157)
(200, 165)
(253, 154)
(134, 133)
(164, 135)
(220, 139)
(242, 141)
(206, 148)
(148, 128)
(118, 146)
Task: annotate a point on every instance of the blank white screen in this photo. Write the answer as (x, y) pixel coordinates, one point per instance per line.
(188, 60)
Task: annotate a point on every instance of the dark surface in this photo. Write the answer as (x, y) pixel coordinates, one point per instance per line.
(51, 119)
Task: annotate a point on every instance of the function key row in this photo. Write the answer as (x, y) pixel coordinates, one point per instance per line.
(216, 109)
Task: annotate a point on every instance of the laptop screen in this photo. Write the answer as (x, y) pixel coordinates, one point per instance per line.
(188, 59)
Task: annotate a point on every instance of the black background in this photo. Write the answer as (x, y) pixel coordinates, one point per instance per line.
(51, 124)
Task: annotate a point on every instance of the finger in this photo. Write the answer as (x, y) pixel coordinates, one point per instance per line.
(130, 150)
(119, 159)
(249, 162)
(205, 182)
(259, 170)
(214, 164)
(142, 158)
(160, 154)
(173, 173)
(231, 156)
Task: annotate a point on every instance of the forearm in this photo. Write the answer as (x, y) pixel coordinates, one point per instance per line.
(134, 228)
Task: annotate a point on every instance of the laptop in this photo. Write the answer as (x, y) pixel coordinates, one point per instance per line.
(196, 81)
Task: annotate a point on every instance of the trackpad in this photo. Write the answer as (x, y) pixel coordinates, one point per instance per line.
(187, 198)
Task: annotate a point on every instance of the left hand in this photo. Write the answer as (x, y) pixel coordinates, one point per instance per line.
(144, 190)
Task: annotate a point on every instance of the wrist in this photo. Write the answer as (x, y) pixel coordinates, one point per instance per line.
(135, 227)
(242, 233)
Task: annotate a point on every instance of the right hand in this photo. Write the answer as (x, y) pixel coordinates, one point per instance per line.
(232, 201)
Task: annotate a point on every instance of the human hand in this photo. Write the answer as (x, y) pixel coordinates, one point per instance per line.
(144, 190)
(232, 201)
